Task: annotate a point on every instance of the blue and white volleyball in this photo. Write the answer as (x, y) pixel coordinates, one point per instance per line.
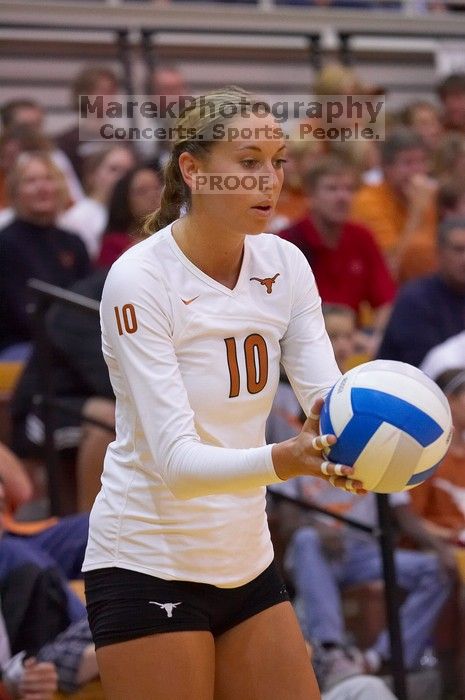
(392, 423)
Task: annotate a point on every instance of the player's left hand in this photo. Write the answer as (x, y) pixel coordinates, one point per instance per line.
(302, 456)
(338, 475)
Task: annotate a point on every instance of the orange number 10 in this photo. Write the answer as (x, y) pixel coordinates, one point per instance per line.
(126, 320)
(257, 372)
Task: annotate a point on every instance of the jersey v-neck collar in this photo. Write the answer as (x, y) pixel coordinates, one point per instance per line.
(204, 277)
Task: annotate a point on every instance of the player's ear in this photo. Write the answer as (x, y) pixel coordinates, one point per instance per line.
(190, 167)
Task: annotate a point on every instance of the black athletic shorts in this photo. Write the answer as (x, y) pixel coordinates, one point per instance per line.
(124, 605)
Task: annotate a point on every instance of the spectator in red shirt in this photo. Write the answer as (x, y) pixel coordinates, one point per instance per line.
(347, 263)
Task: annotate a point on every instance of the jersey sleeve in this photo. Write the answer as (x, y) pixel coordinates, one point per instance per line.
(146, 361)
(306, 351)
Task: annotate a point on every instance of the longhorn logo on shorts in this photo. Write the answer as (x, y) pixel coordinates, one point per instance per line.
(167, 607)
(268, 282)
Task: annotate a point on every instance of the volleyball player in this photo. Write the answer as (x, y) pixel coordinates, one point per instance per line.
(183, 597)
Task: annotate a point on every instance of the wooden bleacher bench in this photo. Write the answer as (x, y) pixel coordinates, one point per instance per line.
(91, 691)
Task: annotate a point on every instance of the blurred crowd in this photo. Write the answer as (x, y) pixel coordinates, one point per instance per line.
(382, 224)
(408, 6)
(416, 6)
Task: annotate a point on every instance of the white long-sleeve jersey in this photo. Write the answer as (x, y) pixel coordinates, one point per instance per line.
(195, 366)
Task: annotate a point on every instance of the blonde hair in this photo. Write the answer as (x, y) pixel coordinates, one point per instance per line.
(199, 118)
(23, 160)
(336, 79)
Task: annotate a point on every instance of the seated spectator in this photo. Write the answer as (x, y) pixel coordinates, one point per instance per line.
(440, 500)
(450, 353)
(293, 202)
(67, 662)
(324, 557)
(430, 309)
(46, 624)
(347, 264)
(28, 679)
(286, 417)
(338, 79)
(134, 197)
(451, 198)
(343, 681)
(22, 112)
(25, 571)
(401, 211)
(167, 80)
(81, 381)
(89, 216)
(451, 92)
(32, 246)
(29, 114)
(63, 539)
(13, 142)
(425, 120)
(82, 140)
(450, 157)
(341, 327)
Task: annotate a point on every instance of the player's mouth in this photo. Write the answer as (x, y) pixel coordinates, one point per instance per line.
(263, 209)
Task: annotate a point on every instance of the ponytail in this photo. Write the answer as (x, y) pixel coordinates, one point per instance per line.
(175, 193)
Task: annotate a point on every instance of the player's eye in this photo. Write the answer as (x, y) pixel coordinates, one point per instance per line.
(279, 162)
(249, 162)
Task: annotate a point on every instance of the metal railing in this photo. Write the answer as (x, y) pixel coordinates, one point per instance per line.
(408, 7)
(212, 17)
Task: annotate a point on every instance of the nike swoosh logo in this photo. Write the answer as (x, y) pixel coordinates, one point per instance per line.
(189, 301)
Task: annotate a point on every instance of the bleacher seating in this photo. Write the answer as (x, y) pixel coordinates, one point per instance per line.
(62, 37)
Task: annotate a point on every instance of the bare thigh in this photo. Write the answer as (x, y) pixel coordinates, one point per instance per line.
(265, 657)
(168, 666)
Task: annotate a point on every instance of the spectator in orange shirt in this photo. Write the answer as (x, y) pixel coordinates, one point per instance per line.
(293, 202)
(401, 211)
(440, 500)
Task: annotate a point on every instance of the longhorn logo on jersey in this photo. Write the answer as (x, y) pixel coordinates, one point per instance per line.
(167, 607)
(268, 282)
